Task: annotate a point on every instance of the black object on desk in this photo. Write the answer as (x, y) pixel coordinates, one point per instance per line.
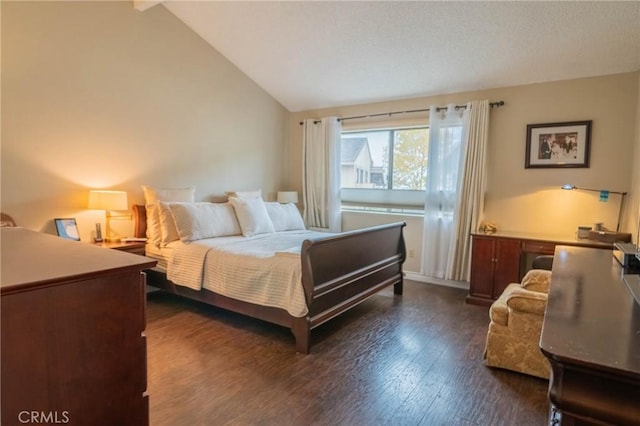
(625, 253)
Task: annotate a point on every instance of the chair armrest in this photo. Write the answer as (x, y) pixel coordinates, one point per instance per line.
(523, 300)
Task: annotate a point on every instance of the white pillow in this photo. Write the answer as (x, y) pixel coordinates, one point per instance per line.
(285, 217)
(245, 194)
(196, 221)
(152, 196)
(252, 215)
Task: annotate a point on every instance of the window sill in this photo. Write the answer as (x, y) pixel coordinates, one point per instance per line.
(384, 210)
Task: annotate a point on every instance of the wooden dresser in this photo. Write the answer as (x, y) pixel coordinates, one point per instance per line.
(73, 345)
(591, 336)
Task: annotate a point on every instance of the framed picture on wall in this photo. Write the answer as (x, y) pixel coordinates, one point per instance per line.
(67, 228)
(551, 145)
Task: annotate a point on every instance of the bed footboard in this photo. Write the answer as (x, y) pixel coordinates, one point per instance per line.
(340, 271)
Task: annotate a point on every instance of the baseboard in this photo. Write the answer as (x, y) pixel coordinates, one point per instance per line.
(414, 276)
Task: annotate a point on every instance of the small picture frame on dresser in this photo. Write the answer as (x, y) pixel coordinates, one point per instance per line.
(67, 228)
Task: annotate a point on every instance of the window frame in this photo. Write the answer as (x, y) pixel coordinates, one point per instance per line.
(376, 198)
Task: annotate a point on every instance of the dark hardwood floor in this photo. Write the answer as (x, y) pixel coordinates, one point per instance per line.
(414, 359)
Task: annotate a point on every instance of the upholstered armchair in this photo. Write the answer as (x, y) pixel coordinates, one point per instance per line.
(516, 323)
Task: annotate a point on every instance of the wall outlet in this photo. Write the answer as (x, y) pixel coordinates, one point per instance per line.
(411, 253)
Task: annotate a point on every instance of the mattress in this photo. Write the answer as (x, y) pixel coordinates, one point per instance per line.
(264, 269)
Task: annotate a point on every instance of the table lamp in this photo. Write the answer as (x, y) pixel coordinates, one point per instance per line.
(604, 196)
(286, 197)
(108, 201)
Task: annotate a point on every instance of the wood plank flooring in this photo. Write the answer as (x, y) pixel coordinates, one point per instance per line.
(414, 359)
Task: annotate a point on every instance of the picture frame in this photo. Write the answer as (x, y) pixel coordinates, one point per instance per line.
(67, 228)
(558, 145)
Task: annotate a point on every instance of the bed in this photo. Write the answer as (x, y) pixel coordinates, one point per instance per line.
(336, 272)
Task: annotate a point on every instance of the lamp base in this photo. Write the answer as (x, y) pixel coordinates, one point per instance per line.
(609, 236)
(112, 240)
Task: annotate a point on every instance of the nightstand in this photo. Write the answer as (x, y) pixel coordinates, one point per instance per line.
(135, 247)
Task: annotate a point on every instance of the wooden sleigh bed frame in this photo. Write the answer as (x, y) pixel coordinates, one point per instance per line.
(338, 272)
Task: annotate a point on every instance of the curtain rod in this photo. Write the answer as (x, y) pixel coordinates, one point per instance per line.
(496, 104)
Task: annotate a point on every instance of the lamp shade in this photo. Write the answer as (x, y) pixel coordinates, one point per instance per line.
(286, 197)
(108, 200)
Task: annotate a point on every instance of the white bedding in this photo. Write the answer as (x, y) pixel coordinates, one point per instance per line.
(161, 254)
(263, 269)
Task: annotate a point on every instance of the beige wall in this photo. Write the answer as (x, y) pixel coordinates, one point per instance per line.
(100, 95)
(633, 211)
(529, 200)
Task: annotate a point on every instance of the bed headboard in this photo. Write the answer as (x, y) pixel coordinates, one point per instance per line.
(139, 221)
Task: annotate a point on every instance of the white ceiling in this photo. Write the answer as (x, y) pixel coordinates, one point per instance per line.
(311, 55)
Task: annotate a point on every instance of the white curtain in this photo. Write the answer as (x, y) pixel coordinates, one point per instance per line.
(321, 173)
(470, 205)
(445, 142)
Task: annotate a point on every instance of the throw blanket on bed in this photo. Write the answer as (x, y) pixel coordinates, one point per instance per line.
(264, 269)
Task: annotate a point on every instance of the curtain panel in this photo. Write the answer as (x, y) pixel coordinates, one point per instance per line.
(455, 188)
(470, 203)
(321, 173)
(445, 141)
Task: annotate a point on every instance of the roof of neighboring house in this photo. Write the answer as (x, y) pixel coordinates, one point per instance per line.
(350, 148)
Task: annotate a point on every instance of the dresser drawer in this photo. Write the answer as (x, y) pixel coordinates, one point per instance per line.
(539, 247)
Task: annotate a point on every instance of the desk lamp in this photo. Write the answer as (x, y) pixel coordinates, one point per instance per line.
(604, 196)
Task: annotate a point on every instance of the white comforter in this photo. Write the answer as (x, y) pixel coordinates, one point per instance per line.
(264, 269)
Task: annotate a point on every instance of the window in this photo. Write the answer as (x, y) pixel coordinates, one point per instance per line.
(384, 166)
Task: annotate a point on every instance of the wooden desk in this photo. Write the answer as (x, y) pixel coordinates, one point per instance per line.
(73, 345)
(591, 335)
(503, 257)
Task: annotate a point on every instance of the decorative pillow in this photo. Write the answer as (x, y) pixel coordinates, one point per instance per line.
(152, 196)
(196, 221)
(168, 228)
(252, 215)
(154, 234)
(285, 217)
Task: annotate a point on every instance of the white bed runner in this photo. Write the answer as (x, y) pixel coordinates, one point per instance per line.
(264, 269)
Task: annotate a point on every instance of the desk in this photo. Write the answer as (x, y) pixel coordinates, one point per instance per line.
(501, 258)
(591, 336)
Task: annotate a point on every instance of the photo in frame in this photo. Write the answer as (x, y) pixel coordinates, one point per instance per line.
(67, 228)
(559, 145)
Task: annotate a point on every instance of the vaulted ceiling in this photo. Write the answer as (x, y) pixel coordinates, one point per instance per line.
(311, 55)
